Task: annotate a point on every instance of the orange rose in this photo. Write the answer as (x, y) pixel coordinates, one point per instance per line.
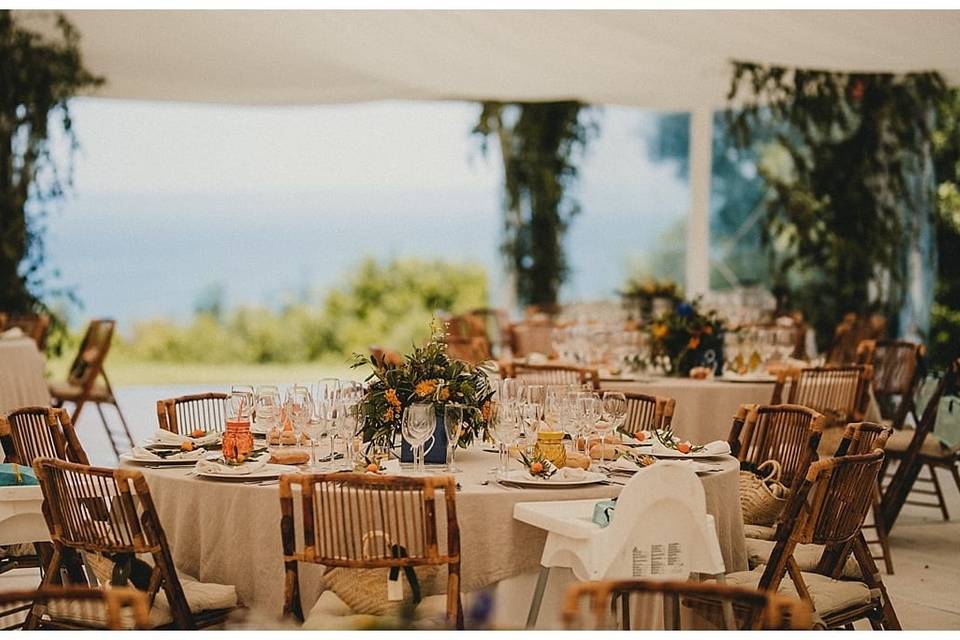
(659, 331)
(425, 388)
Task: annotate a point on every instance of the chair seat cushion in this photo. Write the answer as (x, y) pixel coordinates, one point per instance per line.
(899, 442)
(759, 532)
(71, 392)
(332, 613)
(828, 595)
(806, 555)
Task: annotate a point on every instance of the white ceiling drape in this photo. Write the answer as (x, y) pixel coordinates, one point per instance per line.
(658, 59)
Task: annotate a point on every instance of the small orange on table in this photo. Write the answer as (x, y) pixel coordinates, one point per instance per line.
(198, 433)
(640, 436)
(536, 467)
(373, 468)
(186, 446)
(683, 447)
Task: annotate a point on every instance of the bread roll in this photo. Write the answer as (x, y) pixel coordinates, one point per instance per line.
(580, 460)
(289, 456)
(605, 451)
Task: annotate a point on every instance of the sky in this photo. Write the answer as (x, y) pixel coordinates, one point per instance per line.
(170, 198)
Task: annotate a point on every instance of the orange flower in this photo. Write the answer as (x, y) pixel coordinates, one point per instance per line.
(444, 394)
(659, 331)
(708, 330)
(694, 342)
(485, 411)
(388, 415)
(425, 388)
(392, 399)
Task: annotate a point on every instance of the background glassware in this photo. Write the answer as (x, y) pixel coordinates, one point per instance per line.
(536, 395)
(453, 420)
(504, 424)
(417, 425)
(325, 392)
(588, 411)
(614, 411)
(298, 408)
(346, 420)
(266, 408)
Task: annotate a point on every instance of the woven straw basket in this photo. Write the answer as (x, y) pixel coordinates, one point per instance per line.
(762, 498)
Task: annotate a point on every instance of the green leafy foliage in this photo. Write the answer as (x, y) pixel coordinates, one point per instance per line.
(38, 76)
(388, 304)
(539, 143)
(842, 198)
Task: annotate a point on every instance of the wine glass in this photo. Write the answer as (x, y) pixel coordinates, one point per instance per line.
(536, 397)
(346, 421)
(505, 430)
(419, 421)
(614, 410)
(325, 391)
(266, 409)
(298, 408)
(588, 411)
(453, 419)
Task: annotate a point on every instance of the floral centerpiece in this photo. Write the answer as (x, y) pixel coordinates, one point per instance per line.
(688, 338)
(428, 374)
(650, 296)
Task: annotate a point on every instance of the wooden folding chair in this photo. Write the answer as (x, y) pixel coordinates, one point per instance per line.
(752, 609)
(109, 516)
(547, 374)
(786, 433)
(896, 373)
(184, 414)
(34, 325)
(43, 432)
(118, 608)
(360, 521)
(841, 394)
(647, 413)
(860, 438)
(828, 509)
(916, 449)
(531, 336)
(81, 385)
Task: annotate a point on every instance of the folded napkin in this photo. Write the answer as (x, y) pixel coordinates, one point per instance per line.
(162, 436)
(245, 469)
(13, 332)
(570, 474)
(715, 448)
(623, 464)
(141, 453)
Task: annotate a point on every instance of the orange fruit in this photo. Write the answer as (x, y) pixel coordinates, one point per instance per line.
(197, 433)
(683, 447)
(373, 468)
(640, 435)
(186, 446)
(536, 467)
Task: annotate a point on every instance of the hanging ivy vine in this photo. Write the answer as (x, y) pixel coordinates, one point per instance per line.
(38, 75)
(539, 143)
(842, 179)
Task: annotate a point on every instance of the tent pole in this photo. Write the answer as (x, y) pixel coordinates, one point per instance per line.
(698, 227)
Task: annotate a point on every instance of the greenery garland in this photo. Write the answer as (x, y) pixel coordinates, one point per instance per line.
(538, 142)
(37, 78)
(843, 198)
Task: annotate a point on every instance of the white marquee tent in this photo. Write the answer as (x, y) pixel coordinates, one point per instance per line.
(678, 60)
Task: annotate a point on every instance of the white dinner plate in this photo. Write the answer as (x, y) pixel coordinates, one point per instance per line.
(265, 472)
(165, 462)
(521, 477)
(660, 453)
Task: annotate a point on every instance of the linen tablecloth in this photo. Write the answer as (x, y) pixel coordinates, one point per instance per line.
(226, 532)
(21, 375)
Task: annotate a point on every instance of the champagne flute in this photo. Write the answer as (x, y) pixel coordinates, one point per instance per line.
(453, 418)
(614, 408)
(505, 429)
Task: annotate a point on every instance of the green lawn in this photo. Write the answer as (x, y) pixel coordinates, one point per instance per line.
(124, 372)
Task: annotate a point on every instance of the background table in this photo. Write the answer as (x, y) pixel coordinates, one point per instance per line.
(227, 532)
(22, 383)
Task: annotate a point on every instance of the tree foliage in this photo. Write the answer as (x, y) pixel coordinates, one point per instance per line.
(843, 198)
(38, 76)
(539, 143)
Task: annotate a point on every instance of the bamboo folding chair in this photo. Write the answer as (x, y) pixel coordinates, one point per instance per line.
(34, 325)
(81, 385)
(184, 414)
(915, 449)
(43, 432)
(531, 336)
(470, 349)
(340, 512)
(108, 514)
(647, 413)
(547, 374)
(786, 433)
(752, 608)
(896, 374)
(118, 608)
(841, 394)
(828, 509)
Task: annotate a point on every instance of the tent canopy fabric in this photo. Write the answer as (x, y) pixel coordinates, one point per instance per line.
(659, 59)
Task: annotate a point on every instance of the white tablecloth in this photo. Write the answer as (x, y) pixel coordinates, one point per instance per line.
(221, 531)
(21, 375)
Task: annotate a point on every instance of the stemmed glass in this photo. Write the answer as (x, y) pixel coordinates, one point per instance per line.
(453, 421)
(505, 429)
(588, 411)
(614, 409)
(325, 392)
(299, 409)
(419, 421)
(266, 409)
(536, 397)
(347, 421)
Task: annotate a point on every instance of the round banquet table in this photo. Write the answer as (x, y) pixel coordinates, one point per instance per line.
(228, 532)
(705, 408)
(21, 375)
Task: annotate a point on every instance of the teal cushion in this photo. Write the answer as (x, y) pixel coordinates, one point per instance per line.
(12, 475)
